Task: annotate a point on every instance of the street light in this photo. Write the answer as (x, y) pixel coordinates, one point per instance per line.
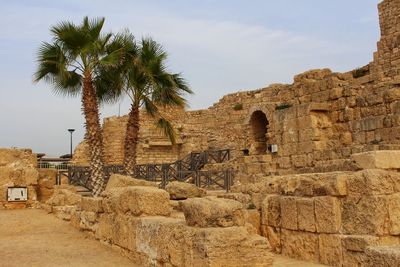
(71, 131)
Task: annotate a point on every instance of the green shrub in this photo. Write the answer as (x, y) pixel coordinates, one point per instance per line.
(360, 72)
(283, 106)
(238, 106)
(251, 206)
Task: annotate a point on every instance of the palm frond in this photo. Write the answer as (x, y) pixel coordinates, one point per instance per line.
(167, 128)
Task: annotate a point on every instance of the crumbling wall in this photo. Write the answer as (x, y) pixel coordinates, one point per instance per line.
(18, 169)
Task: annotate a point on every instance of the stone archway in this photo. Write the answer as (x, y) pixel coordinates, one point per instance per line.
(258, 129)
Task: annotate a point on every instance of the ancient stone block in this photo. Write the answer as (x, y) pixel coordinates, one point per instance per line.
(213, 212)
(384, 159)
(385, 256)
(93, 204)
(365, 215)
(300, 245)
(352, 258)
(253, 217)
(331, 185)
(117, 180)
(288, 213)
(180, 190)
(271, 211)
(327, 214)
(394, 214)
(137, 200)
(274, 237)
(330, 249)
(305, 212)
(358, 243)
(372, 182)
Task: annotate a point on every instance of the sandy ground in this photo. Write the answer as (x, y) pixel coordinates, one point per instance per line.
(34, 238)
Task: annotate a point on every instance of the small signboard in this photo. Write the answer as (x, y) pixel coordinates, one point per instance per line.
(274, 148)
(17, 194)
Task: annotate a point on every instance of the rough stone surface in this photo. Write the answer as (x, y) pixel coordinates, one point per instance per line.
(327, 214)
(117, 180)
(180, 190)
(137, 200)
(377, 160)
(213, 212)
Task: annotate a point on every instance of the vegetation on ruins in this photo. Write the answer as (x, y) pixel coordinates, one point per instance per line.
(149, 85)
(283, 106)
(360, 72)
(78, 62)
(238, 106)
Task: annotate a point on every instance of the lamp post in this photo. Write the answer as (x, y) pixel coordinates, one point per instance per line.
(71, 131)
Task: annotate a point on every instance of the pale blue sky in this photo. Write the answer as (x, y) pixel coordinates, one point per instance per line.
(220, 46)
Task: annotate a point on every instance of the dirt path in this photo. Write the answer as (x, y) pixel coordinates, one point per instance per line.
(33, 238)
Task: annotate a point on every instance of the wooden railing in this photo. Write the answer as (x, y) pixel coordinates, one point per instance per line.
(185, 170)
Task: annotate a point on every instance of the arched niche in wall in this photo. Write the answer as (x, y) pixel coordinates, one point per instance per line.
(258, 133)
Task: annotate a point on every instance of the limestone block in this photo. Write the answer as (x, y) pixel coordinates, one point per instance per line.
(331, 185)
(245, 199)
(330, 249)
(93, 204)
(365, 215)
(231, 246)
(385, 256)
(137, 200)
(64, 212)
(305, 212)
(352, 258)
(180, 190)
(213, 212)
(274, 237)
(392, 95)
(288, 213)
(271, 211)
(300, 245)
(327, 214)
(253, 217)
(383, 159)
(117, 180)
(56, 200)
(358, 243)
(394, 214)
(373, 182)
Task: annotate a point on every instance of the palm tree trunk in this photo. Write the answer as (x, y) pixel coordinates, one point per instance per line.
(131, 140)
(93, 134)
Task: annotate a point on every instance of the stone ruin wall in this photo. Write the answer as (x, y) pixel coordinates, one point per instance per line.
(328, 116)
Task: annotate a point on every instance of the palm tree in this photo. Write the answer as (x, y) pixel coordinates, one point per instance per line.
(149, 85)
(76, 63)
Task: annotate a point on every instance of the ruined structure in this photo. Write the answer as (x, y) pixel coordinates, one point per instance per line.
(316, 123)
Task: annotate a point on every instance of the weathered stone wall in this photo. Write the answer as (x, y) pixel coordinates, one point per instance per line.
(152, 233)
(317, 122)
(17, 169)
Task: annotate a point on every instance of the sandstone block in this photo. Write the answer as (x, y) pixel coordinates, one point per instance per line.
(394, 214)
(274, 237)
(117, 180)
(373, 182)
(289, 213)
(180, 190)
(245, 199)
(300, 245)
(358, 243)
(382, 159)
(93, 204)
(253, 217)
(352, 258)
(305, 213)
(365, 215)
(330, 249)
(271, 211)
(213, 212)
(137, 200)
(327, 214)
(331, 185)
(385, 256)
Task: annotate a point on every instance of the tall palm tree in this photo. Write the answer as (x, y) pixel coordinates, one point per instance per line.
(76, 63)
(149, 85)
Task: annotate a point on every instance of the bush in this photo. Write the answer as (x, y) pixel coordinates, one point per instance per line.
(283, 106)
(238, 106)
(360, 72)
(251, 206)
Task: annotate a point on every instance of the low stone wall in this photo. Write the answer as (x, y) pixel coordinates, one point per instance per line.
(144, 224)
(17, 169)
(337, 218)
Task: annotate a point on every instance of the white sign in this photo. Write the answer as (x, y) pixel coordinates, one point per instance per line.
(17, 194)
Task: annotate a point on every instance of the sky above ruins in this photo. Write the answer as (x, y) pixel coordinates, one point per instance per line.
(220, 46)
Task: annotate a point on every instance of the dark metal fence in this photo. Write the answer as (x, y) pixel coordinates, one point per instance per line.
(185, 170)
